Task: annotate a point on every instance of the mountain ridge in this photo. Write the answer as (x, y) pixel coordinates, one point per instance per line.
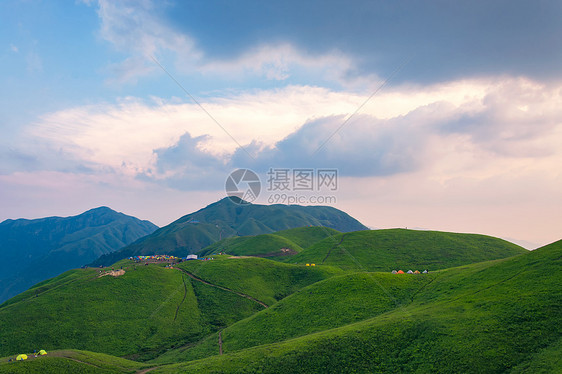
(45, 247)
(225, 218)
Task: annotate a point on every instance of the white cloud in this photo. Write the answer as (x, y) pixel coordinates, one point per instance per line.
(134, 28)
(458, 128)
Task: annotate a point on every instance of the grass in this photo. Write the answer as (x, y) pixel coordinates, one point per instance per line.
(270, 245)
(497, 316)
(134, 314)
(71, 361)
(267, 245)
(263, 279)
(327, 304)
(385, 250)
(492, 317)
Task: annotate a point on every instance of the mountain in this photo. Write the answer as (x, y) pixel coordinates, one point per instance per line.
(401, 249)
(34, 250)
(224, 219)
(497, 316)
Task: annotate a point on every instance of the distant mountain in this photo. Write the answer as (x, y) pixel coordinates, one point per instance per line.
(34, 250)
(225, 219)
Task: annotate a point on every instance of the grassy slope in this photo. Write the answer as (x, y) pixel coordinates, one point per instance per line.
(385, 250)
(71, 361)
(270, 244)
(307, 236)
(131, 314)
(267, 245)
(327, 304)
(263, 279)
(481, 318)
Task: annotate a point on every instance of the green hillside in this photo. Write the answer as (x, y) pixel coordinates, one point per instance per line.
(327, 304)
(71, 361)
(43, 248)
(148, 309)
(278, 245)
(224, 219)
(266, 245)
(140, 313)
(263, 279)
(498, 316)
(385, 250)
(307, 236)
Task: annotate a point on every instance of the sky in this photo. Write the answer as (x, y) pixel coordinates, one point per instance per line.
(434, 115)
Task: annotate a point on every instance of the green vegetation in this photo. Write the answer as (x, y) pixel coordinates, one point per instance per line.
(265, 280)
(35, 250)
(225, 219)
(275, 246)
(140, 313)
(482, 318)
(71, 361)
(327, 304)
(496, 312)
(385, 250)
(266, 245)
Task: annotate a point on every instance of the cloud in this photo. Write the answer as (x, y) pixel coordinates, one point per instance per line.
(134, 29)
(141, 32)
(14, 48)
(477, 128)
(184, 166)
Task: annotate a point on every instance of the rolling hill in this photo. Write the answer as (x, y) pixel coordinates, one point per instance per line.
(279, 244)
(493, 317)
(489, 315)
(34, 250)
(224, 219)
(393, 249)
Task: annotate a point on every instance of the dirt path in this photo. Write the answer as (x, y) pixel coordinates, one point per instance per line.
(334, 247)
(220, 342)
(223, 288)
(182, 300)
(146, 370)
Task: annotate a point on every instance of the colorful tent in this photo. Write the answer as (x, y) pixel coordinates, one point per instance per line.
(425, 271)
(410, 272)
(399, 272)
(42, 352)
(394, 272)
(21, 357)
(416, 272)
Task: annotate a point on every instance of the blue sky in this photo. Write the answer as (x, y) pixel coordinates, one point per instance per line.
(464, 136)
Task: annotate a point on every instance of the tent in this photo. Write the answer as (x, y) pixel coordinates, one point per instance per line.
(393, 271)
(416, 272)
(21, 357)
(410, 272)
(425, 271)
(399, 272)
(42, 352)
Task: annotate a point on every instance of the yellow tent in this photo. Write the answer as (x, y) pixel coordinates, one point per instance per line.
(21, 357)
(307, 264)
(42, 352)
(312, 264)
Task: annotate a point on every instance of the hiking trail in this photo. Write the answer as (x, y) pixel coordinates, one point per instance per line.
(223, 288)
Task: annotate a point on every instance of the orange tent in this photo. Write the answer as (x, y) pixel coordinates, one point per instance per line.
(399, 272)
